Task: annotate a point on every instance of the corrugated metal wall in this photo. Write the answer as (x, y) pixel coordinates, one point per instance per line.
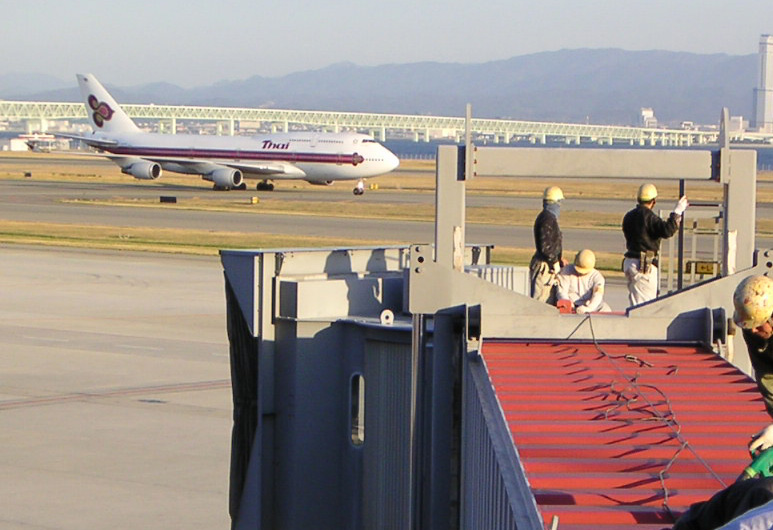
(513, 278)
(387, 456)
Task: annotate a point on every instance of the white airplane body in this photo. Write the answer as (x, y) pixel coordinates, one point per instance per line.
(316, 157)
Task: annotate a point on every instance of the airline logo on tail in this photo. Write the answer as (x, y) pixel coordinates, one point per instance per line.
(102, 111)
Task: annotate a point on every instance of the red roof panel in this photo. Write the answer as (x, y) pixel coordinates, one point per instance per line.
(623, 435)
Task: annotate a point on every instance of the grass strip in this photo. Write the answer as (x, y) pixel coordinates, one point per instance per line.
(402, 212)
(210, 242)
(178, 241)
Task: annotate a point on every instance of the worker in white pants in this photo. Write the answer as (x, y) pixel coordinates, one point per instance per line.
(642, 286)
(643, 231)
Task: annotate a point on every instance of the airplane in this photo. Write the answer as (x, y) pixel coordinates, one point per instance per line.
(316, 157)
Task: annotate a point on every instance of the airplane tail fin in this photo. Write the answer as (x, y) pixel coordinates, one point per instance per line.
(103, 111)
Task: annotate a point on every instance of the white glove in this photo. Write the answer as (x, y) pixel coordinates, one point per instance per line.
(556, 267)
(681, 206)
(762, 440)
(581, 309)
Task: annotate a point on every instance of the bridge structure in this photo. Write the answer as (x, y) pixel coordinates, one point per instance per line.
(36, 116)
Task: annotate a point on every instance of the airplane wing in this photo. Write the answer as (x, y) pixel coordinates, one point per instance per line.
(273, 169)
(99, 143)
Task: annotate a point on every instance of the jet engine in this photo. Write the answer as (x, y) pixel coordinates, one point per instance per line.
(225, 177)
(320, 182)
(142, 169)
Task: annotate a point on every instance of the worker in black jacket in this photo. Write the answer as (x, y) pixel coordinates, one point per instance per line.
(547, 259)
(733, 506)
(643, 230)
(753, 303)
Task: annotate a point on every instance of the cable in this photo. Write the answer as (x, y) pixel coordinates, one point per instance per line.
(669, 420)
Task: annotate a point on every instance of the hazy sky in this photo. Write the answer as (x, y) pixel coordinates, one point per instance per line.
(198, 42)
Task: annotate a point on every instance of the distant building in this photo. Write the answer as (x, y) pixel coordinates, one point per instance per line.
(647, 118)
(763, 94)
(37, 142)
(737, 124)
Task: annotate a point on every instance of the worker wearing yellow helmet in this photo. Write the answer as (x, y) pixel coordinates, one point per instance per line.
(582, 285)
(644, 230)
(753, 302)
(547, 259)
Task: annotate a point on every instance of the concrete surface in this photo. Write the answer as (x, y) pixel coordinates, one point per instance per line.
(115, 395)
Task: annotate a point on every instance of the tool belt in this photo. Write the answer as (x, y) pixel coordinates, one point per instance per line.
(647, 259)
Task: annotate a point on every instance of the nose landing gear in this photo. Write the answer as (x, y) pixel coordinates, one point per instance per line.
(359, 189)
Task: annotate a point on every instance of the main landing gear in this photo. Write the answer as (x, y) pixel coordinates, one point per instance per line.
(359, 189)
(265, 185)
(241, 187)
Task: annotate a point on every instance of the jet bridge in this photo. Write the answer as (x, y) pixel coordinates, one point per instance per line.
(418, 387)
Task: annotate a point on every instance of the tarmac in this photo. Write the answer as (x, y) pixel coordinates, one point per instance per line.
(115, 395)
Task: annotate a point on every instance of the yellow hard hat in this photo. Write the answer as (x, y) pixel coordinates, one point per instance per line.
(584, 261)
(647, 192)
(753, 301)
(553, 194)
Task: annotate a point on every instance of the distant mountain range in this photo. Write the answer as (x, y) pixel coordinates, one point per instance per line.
(600, 86)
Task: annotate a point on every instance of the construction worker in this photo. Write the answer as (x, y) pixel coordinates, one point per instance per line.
(753, 302)
(643, 231)
(582, 285)
(547, 260)
(745, 504)
(733, 506)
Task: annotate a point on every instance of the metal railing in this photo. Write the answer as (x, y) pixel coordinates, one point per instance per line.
(494, 490)
(702, 256)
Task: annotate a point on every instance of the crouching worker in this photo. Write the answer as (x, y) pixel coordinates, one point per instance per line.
(582, 285)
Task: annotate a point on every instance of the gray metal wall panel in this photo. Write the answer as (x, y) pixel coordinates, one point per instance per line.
(513, 278)
(387, 454)
(594, 163)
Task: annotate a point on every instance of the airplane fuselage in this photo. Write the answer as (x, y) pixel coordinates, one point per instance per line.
(321, 157)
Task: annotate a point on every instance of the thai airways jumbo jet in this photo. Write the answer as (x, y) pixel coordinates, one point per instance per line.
(316, 157)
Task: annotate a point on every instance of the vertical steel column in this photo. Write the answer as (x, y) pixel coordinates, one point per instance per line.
(257, 509)
(417, 376)
(680, 260)
(738, 174)
(450, 207)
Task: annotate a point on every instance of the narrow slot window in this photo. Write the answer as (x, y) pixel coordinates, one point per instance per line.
(357, 402)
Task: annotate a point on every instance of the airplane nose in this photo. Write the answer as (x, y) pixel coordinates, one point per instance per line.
(392, 161)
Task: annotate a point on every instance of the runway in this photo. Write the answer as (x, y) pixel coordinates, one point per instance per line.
(40, 201)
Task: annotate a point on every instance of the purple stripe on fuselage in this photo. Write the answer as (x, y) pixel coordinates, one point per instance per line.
(230, 154)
